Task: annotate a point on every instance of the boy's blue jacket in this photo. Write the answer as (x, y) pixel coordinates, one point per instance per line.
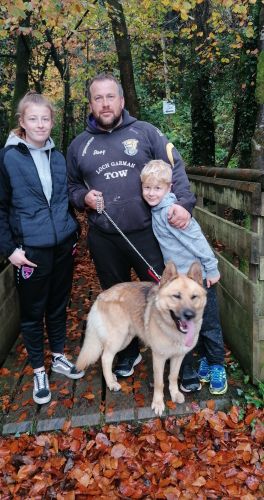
(111, 162)
(182, 246)
(26, 217)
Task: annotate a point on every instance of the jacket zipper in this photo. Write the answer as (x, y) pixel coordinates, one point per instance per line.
(49, 204)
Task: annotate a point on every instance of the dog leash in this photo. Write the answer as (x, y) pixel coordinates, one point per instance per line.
(101, 210)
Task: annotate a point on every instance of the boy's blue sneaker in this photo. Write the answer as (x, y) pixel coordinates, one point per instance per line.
(218, 382)
(204, 370)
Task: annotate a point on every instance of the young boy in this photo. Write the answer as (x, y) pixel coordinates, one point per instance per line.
(184, 246)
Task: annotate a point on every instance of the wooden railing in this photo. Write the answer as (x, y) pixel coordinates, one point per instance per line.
(221, 193)
(9, 309)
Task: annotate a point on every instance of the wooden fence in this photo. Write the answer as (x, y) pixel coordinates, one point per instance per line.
(230, 210)
(9, 309)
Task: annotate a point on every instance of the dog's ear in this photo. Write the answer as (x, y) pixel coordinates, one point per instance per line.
(170, 272)
(195, 273)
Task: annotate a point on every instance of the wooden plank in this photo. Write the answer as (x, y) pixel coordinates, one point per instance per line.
(236, 194)
(198, 400)
(237, 325)
(22, 413)
(88, 409)
(143, 386)
(9, 312)
(119, 406)
(258, 333)
(52, 416)
(240, 174)
(193, 401)
(257, 354)
(241, 241)
(16, 385)
(239, 286)
(13, 368)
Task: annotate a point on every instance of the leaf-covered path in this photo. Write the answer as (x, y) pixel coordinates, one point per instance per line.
(86, 401)
(209, 455)
(104, 448)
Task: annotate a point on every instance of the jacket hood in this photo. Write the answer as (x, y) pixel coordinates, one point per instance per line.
(168, 200)
(14, 140)
(126, 120)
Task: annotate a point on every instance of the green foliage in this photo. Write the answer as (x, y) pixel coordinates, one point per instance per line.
(219, 47)
(250, 394)
(255, 395)
(224, 120)
(177, 127)
(260, 79)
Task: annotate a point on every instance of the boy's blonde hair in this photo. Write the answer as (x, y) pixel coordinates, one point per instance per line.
(31, 98)
(157, 170)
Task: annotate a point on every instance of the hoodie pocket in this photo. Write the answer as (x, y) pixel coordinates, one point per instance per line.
(130, 215)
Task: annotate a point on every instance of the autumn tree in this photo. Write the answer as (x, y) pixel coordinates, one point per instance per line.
(258, 138)
(122, 42)
(23, 54)
(203, 129)
(226, 38)
(245, 104)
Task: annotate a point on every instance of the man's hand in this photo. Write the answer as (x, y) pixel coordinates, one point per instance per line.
(211, 281)
(91, 197)
(178, 216)
(18, 259)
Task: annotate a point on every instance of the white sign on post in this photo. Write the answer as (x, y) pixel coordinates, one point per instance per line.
(168, 107)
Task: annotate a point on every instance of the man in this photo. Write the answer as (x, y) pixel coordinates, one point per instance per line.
(105, 161)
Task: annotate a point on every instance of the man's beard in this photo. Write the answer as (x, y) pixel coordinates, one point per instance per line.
(108, 126)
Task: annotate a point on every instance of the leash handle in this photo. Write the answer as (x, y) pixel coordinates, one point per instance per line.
(99, 203)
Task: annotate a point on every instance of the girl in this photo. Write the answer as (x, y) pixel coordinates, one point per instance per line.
(38, 235)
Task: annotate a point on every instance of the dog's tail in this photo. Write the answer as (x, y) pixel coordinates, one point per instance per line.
(92, 347)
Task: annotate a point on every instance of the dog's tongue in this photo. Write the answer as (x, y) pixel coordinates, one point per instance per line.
(188, 337)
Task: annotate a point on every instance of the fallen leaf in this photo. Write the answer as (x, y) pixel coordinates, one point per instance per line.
(22, 417)
(89, 396)
(118, 450)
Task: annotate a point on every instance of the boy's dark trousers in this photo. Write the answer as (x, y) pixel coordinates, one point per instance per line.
(210, 344)
(44, 292)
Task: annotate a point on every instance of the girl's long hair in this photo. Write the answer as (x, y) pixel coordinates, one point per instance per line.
(31, 98)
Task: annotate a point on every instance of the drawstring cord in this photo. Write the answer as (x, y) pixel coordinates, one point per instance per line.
(101, 210)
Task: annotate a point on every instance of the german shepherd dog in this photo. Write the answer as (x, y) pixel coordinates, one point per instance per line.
(166, 317)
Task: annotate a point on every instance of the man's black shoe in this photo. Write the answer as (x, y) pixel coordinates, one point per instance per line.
(189, 379)
(125, 367)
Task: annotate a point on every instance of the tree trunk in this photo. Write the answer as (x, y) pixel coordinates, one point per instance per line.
(246, 99)
(234, 140)
(67, 122)
(257, 159)
(3, 125)
(23, 53)
(203, 129)
(64, 70)
(203, 138)
(122, 42)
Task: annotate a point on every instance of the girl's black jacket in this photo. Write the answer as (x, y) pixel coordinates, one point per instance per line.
(26, 218)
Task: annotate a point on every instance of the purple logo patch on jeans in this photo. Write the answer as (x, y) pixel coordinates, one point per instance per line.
(27, 272)
(74, 249)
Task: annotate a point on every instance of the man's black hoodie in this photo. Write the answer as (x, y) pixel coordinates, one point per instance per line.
(111, 162)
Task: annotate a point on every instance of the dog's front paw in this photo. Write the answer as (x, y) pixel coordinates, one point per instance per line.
(158, 407)
(114, 386)
(177, 396)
